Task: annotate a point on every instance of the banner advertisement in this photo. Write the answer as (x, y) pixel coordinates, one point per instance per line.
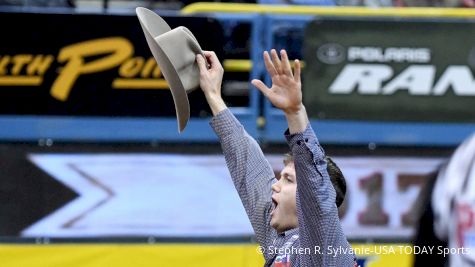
(390, 70)
(142, 195)
(90, 65)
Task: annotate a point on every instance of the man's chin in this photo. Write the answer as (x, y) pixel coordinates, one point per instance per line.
(279, 226)
(274, 224)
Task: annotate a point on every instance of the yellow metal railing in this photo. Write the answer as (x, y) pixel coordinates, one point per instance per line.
(244, 65)
(237, 65)
(204, 7)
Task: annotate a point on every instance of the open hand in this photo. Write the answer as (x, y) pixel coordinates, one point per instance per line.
(285, 93)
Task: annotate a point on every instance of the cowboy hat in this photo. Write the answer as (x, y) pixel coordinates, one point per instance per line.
(175, 52)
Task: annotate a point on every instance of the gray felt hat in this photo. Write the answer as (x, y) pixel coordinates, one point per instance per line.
(175, 52)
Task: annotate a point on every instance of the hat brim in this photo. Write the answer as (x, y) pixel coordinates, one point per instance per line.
(154, 26)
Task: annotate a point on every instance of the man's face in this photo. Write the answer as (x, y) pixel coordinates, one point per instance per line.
(284, 213)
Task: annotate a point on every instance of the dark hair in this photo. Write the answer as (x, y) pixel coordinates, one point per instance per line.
(336, 177)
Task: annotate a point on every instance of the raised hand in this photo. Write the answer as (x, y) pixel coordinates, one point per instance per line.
(285, 93)
(211, 79)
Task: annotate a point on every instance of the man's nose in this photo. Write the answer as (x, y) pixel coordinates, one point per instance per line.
(276, 187)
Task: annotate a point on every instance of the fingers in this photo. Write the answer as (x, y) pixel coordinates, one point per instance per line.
(286, 68)
(276, 65)
(276, 61)
(208, 53)
(269, 65)
(213, 60)
(262, 87)
(297, 68)
(201, 64)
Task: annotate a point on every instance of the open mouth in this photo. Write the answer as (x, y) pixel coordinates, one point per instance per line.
(274, 206)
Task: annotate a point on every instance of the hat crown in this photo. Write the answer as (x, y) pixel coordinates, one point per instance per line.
(175, 52)
(181, 48)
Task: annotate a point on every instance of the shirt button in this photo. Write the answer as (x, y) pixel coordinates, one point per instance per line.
(306, 140)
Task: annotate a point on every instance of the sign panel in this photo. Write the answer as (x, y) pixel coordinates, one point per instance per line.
(89, 65)
(391, 70)
(169, 195)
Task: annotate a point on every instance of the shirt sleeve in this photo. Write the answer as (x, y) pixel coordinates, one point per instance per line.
(250, 171)
(319, 225)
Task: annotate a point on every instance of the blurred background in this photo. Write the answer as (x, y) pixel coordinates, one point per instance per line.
(93, 171)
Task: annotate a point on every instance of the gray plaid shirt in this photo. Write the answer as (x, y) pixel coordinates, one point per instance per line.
(319, 239)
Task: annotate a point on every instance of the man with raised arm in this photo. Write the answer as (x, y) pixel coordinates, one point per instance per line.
(295, 218)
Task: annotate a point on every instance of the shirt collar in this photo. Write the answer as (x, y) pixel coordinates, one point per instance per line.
(289, 232)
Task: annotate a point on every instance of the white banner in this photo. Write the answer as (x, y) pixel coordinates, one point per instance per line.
(193, 196)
